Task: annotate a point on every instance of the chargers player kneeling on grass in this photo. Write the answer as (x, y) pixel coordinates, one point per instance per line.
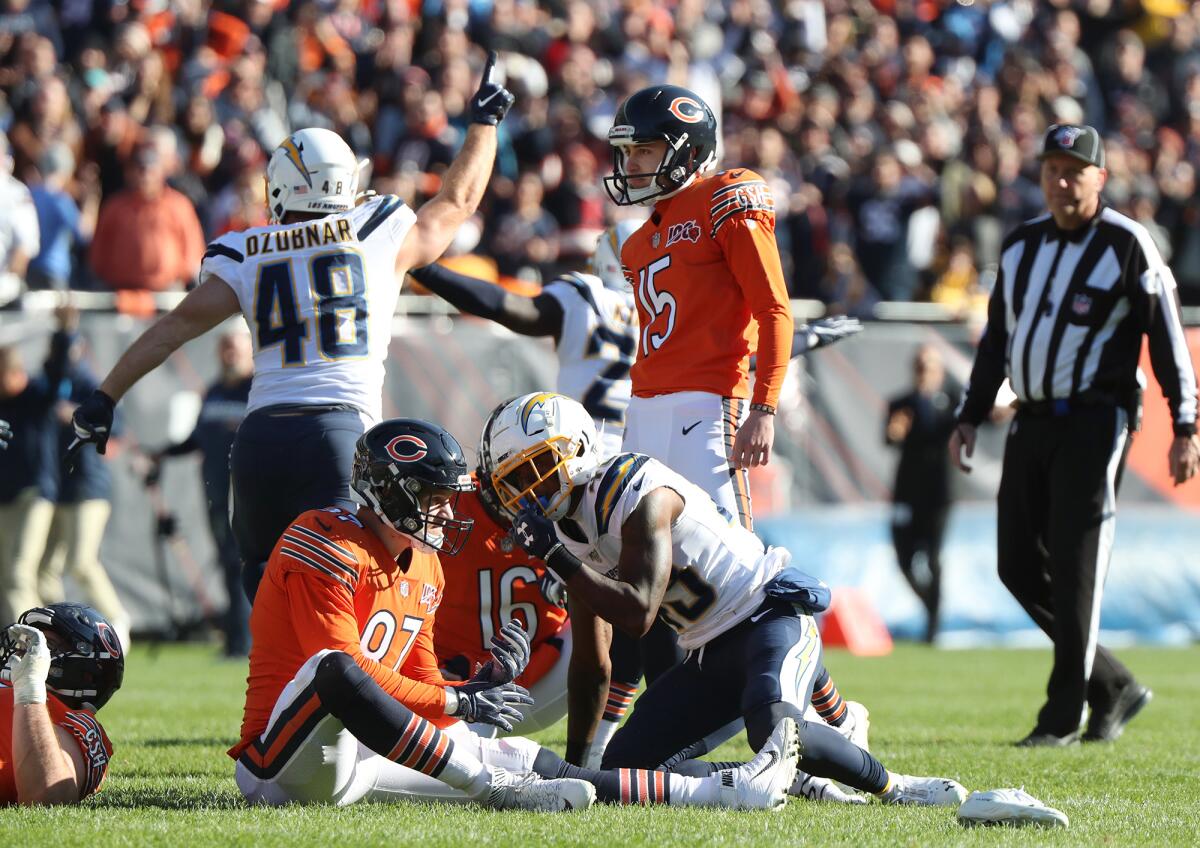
(59, 665)
(633, 541)
(344, 700)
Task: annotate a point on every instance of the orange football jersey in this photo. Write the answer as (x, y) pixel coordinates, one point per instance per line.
(81, 724)
(489, 582)
(331, 583)
(709, 287)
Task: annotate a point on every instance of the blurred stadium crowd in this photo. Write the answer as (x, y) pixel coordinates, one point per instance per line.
(899, 135)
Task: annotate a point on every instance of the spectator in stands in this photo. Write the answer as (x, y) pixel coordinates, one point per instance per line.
(881, 206)
(28, 468)
(919, 423)
(81, 511)
(525, 239)
(19, 235)
(148, 236)
(65, 225)
(222, 411)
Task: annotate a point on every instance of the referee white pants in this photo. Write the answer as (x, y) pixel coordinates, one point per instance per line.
(330, 766)
(692, 433)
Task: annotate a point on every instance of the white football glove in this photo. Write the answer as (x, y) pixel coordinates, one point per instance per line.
(28, 671)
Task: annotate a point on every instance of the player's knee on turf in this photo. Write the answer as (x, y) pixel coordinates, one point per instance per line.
(761, 721)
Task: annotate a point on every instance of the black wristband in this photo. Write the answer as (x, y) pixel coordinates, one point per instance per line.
(763, 407)
(562, 562)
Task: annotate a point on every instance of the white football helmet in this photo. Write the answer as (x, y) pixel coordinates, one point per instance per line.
(313, 170)
(534, 438)
(606, 260)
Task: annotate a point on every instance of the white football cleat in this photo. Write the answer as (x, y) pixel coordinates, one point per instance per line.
(512, 791)
(856, 725)
(821, 789)
(924, 791)
(1014, 807)
(763, 783)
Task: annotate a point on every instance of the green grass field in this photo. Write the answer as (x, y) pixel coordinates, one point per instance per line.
(933, 712)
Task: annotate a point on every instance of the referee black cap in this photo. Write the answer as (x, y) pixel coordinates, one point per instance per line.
(1080, 141)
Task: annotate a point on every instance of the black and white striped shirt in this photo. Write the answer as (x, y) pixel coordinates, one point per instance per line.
(1067, 315)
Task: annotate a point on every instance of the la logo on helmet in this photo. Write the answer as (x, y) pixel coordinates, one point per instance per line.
(406, 449)
(687, 109)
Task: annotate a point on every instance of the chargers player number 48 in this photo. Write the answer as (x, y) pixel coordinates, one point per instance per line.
(338, 291)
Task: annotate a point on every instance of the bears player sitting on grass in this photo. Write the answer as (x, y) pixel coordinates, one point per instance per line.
(59, 664)
(344, 701)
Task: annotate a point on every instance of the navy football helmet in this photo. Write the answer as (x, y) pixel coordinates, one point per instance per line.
(399, 465)
(667, 113)
(87, 661)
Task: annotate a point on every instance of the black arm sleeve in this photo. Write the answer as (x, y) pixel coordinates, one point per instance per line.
(529, 316)
(990, 365)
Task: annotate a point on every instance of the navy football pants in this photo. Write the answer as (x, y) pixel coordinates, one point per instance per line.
(761, 670)
(287, 460)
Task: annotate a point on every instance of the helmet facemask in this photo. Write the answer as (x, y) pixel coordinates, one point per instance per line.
(676, 170)
(520, 480)
(418, 509)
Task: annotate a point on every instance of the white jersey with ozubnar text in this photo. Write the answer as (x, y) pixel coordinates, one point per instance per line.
(596, 349)
(719, 569)
(319, 297)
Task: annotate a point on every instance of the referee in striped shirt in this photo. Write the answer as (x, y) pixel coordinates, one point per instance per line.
(1077, 290)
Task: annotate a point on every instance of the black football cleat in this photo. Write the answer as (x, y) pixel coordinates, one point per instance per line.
(1107, 725)
(1042, 739)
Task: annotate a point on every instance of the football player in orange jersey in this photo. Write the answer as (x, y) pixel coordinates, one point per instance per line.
(344, 701)
(711, 297)
(710, 293)
(491, 581)
(59, 665)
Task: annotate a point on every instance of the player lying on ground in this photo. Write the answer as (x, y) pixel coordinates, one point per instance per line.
(656, 545)
(344, 700)
(59, 665)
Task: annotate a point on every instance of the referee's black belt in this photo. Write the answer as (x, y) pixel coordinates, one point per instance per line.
(1060, 407)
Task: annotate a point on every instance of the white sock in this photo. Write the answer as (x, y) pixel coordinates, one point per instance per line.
(699, 791)
(464, 771)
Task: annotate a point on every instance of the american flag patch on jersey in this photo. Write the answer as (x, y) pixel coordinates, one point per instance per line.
(731, 200)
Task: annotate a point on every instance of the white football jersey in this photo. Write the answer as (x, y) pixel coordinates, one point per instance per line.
(595, 351)
(319, 297)
(719, 567)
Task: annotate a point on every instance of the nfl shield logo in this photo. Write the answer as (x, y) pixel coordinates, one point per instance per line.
(404, 588)
(1081, 305)
(655, 239)
(1066, 136)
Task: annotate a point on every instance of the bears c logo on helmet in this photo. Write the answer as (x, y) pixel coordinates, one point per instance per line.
(406, 449)
(687, 109)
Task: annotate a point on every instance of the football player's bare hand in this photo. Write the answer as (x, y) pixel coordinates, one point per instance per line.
(1183, 459)
(752, 445)
(962, 447)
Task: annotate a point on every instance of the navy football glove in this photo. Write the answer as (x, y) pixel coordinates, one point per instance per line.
(534, 532)
(491, 704)
(510, 655)
(93, 420)
(492, 101)
(829, 331)
(5, 434)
